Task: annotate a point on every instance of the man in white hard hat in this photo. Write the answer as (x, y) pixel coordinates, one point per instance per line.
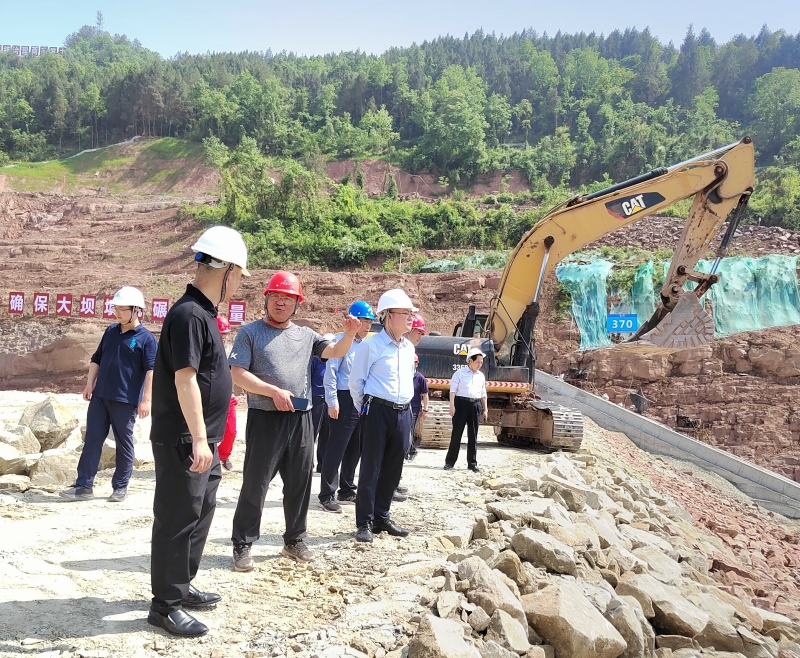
(118, 387)
(191, 393)
(468, 402)
(382, 385)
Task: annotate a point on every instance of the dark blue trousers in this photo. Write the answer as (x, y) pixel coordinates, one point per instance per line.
(319, 416)
(102, 415)
(344, 449)
(385, 434)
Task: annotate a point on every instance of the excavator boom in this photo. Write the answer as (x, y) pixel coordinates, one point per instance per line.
(719, 181)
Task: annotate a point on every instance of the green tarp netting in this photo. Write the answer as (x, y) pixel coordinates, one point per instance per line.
(752, 293)
(587, 287)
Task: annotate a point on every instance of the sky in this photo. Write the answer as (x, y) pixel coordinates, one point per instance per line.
(313, 27)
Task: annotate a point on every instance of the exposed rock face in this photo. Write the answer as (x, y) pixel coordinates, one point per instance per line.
(50, 421)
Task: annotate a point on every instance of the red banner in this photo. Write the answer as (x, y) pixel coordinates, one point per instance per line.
(159, 310)
(16, 302)
(87, 309)
(108, 308)
(63, 304)
(236, 312)
(41, 303)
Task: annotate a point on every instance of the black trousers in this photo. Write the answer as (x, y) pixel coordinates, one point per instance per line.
(385, 435)
(183, 508)
(319, 415)
(344, 449)
(413, 442)
(467, 413)
(277, 442)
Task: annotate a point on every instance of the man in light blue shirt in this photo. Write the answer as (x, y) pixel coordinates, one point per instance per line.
(344, 441)
(382, 385)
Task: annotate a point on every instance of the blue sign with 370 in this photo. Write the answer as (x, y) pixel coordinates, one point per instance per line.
(622, 324)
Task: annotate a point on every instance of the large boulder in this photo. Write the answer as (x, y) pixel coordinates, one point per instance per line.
(50, 421)
(509, 563)
(440, 638)
(563, 616)
(54, 469)
(508, 632)
(15, 483)
(672, 613)
(544, 551)
(519, 511)
(22, 438)
(660, 566)
(631, 624)
(488, 590)
(12, 461)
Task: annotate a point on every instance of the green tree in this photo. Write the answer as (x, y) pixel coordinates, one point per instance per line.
(774, 107)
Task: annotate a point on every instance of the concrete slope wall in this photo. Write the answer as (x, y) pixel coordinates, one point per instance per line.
(768, 489)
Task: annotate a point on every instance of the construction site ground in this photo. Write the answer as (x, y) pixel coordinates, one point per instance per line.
(75, 575)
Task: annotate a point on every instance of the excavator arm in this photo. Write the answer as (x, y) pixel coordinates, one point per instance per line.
(721, 181)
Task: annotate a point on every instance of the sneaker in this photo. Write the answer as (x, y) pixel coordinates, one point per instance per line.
(330, 505)
(227, 465)
(298, 552)
(242, 561)
(401, 489)
(349, 499)
(118, 495)
(398, 497)
(77, 493)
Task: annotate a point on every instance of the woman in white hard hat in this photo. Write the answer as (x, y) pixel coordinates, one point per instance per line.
(118, 387)
(468, 401)
(382, 385)
(191, 395)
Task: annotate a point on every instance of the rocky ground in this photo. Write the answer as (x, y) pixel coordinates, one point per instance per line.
(608, 552)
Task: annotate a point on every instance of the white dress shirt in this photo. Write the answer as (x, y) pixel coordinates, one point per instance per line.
(383, 369)
(468, 384)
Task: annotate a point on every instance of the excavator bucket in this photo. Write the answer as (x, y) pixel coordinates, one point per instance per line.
(688, 325)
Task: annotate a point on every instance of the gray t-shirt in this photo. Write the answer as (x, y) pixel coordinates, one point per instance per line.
(281, 357)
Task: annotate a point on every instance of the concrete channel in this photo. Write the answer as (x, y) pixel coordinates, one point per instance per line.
(768, 489)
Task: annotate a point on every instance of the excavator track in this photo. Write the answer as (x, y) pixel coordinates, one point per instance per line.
(561, 429)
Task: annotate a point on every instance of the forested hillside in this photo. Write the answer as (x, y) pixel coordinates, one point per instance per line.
(567, 110)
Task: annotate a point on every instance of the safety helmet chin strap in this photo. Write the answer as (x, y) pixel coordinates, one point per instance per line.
(225, 282)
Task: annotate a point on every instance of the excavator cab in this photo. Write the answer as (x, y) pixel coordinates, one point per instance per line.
(473, 326)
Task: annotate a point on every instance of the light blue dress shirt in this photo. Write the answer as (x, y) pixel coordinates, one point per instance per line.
(337, 372)
(383, 369)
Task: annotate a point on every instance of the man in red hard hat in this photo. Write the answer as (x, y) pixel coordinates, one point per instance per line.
(271, 360)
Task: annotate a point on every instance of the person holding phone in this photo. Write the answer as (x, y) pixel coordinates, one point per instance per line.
(271, 360)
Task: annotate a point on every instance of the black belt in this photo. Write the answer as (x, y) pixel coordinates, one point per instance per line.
(392, 405)
(461, 397)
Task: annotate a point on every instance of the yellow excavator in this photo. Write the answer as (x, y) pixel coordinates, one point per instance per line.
(721, 182)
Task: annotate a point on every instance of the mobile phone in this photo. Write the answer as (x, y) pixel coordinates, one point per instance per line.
(301, 404)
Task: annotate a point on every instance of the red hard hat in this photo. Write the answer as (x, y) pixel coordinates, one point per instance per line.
(223, 324)
(287, 283)
(419, 323)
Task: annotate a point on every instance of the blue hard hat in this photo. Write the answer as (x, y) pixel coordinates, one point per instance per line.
(361, 310)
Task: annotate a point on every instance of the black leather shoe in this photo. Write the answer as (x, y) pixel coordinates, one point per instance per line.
(364, 533)
(179, 622)
(387, 525)
(448, 467)
(197, 599)
(474, 468)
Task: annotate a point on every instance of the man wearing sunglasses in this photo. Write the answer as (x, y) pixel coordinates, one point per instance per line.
(271, 360)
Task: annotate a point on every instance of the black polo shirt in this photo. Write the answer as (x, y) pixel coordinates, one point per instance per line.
(190, 338)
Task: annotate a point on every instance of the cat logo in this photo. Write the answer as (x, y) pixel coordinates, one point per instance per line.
(461, 350)
(628, 206)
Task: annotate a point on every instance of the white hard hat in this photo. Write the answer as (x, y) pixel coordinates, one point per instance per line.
(395, 298)
(474, 351)
(329, 337)
(128, 296)
(224, 245)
